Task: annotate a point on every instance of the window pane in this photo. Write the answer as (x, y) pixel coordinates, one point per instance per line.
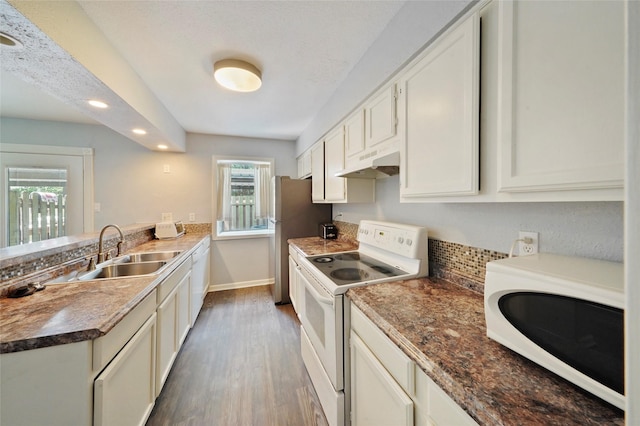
(36, 204)
(243, 195)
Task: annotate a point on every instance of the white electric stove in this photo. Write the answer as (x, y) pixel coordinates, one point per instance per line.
(386, 252)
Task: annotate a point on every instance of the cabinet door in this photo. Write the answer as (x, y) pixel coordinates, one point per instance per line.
(317, 172)
(293, 283)
(561, 106)
(354, 136)
(167, 340)
(380, 116)
(440, 105)
(304, 165)
(334, 187)
(183, 314)
(376, 399)
(124, 393)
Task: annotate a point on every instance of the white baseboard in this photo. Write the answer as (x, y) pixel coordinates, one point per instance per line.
(232, 286)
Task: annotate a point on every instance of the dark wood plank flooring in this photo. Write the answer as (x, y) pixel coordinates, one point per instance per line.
(240, 365)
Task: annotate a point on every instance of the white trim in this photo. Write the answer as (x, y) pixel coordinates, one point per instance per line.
(242, 235)
(243, 284)
(631, 215)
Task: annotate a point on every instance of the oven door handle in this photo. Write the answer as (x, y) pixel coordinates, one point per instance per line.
(316, 295)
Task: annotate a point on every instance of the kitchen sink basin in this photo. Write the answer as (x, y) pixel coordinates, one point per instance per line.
(123, 270)
(129, 265)
(149, 256)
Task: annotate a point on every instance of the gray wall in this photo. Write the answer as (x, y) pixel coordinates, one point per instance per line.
(130, 183)
(586, 229)
(131, 186)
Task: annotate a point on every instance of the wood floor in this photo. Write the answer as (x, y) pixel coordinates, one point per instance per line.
(240, 365)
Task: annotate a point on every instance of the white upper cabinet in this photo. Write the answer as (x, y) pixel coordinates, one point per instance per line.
(304, 165)
(439, 105)
(327, 159)
(317, 172)
(380, 116)
(354, 135)
(334, 187)
(560, 95)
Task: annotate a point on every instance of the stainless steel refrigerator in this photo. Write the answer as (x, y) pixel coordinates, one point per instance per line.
(293, 215)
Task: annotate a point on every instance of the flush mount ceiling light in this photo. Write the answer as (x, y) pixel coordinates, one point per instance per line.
(8, 41)
(237, 75)
(139, 131)
(97, 104)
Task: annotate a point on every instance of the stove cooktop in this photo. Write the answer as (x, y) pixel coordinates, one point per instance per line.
(353, 267)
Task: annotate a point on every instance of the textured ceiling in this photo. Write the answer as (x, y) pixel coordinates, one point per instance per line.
(304, 48)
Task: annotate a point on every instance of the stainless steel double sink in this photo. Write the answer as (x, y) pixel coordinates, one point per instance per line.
(129, 265)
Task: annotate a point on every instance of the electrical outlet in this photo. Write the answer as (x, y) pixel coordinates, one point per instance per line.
(167, 217)
(192, 217)
(527, 248)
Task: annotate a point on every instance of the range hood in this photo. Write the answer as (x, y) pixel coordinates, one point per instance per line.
(383, 166)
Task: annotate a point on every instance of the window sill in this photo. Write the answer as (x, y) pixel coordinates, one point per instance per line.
(241, 235)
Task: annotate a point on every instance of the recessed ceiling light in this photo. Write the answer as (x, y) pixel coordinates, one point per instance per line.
(139, 131)
(237, 75)
(163, 147)
(8, 41)
(98, 104)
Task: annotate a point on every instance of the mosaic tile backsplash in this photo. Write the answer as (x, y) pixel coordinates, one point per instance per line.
(457, 263)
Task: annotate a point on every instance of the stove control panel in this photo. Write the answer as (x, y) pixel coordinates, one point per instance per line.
(405, 240)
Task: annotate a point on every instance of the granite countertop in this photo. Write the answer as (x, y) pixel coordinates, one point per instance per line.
(82, 310)
(311, 246)
(441, 327)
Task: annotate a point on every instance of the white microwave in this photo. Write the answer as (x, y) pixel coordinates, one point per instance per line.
(565, 314)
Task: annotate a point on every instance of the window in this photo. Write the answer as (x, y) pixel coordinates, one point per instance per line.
(46, 192)
(242, 196)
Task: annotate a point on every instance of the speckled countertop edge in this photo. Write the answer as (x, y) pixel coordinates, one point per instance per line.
(78, 311)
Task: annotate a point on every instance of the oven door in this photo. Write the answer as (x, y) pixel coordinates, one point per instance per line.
(321, 318)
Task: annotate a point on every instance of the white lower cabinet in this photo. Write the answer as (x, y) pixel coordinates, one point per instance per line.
(293, 282)
(124, 393)
(388, 389)
(112, 380)
(376, 398)
(173, 320)
(200, 277)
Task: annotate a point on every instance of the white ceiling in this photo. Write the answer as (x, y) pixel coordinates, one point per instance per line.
(305, 49)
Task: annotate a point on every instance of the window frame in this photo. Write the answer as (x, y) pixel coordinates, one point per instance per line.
(234, 235)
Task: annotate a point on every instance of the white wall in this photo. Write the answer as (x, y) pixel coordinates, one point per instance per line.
(131, 186)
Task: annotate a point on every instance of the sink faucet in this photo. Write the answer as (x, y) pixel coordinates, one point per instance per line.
(101, 254)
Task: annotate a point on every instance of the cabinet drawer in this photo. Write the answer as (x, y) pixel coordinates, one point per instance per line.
(107, 346)
(294, 254)
(390, 356)
(173, 280)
